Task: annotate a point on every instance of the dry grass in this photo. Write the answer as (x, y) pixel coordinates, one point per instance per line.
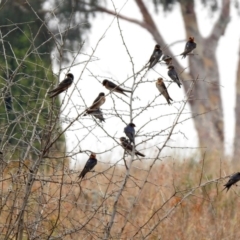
(179, 200)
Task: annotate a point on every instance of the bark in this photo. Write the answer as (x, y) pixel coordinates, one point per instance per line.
(236, 154)
(210, 126)
(207, 97)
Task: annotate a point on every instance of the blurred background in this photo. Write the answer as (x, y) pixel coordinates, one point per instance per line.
(88, 43)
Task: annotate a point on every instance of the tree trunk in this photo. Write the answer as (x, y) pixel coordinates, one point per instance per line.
(204, 66)
(236, 154)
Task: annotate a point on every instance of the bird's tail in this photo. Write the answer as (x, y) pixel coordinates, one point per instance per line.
(168, 100)
(140, 154)
(226, 188)
(54, 94)
(52, 91)
(82, 174)
(179, 84)
(127, 91)
(183, 55)
(122, 92)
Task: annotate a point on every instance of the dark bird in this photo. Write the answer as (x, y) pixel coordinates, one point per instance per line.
(128, 147)
(233, 179)
(90, 164)
(97, 114)
(157, 53)
(98, 102)
(190, 45)
(113, 87)
(64, 85)
(173, 75)
(167, 59)
(130, 132)
(163, 90)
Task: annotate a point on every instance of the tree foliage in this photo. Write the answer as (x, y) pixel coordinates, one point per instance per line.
(25, 64)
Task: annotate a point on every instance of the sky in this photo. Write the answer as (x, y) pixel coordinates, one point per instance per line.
(113, 63)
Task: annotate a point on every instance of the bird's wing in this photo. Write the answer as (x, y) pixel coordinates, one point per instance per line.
(66, 82)
(128, 146)
(90, 164)
(152, 56)
(62, 85)
(187, 46)
(111, 84)
(164, 87)
(175, 75)
(96, 100)
(55, 93)
(132, 133)
(99, 101)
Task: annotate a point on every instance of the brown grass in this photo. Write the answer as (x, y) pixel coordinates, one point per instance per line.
(179, 200)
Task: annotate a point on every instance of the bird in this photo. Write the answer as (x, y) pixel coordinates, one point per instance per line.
(167, 59)
(233, 179)
(173, 75)
(113, 87)
(156, 55)
(128, 147)
(98, 102)
(97, 114)
(64, 85)
(130, 132)
(90, 164)
(190, 45)
(163, 90)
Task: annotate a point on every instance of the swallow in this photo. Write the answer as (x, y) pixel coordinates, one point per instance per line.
(157, 53)
(128, 147)
(233, 179)
(64, 85)
(113, 87)
(173, 75)
(130, 132)
(98, 102)
(97, 114)
(190, 45)
(167, 59)
(163, 90)
(90, 164)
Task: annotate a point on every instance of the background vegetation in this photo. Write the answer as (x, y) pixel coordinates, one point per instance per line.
(158, 197)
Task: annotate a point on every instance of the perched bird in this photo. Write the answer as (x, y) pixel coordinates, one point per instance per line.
(64, 85)
(173, 75)
(163, 90)
(130, 132)
(167, 59)
(190, 45)
(113, 87)
(157, 53)
(98, 102)
(128, 147)
(233, 179)
(90, 164)
(97, 114)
